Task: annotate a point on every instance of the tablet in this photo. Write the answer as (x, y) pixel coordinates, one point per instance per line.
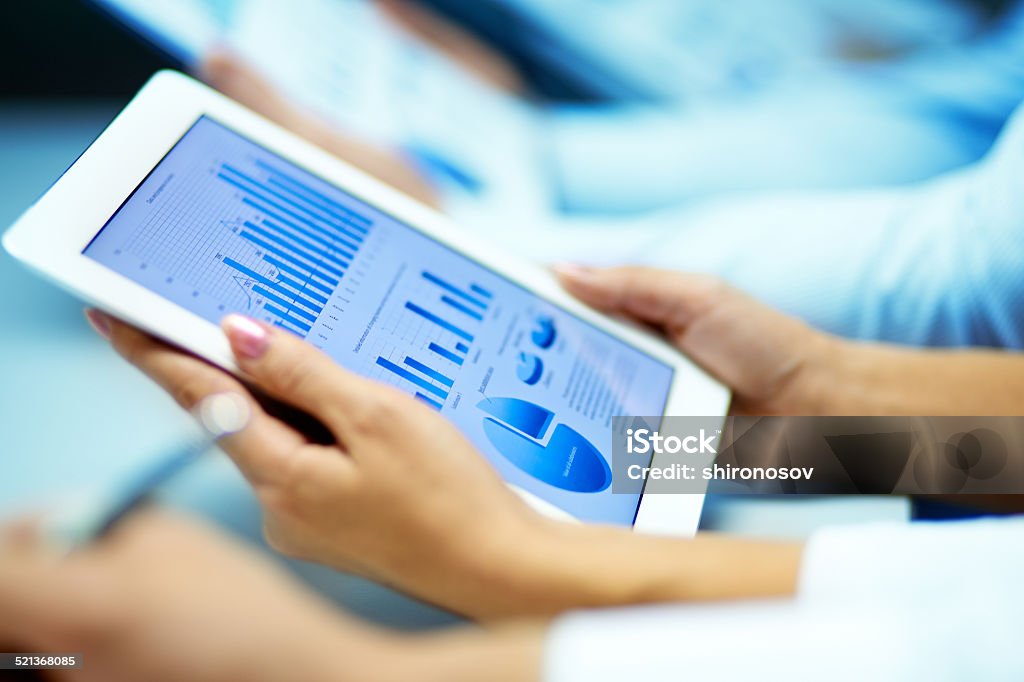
(189, 207)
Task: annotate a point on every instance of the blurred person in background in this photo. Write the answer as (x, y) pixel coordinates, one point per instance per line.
(698, 98)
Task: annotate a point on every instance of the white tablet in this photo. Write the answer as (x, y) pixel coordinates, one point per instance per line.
(189, 207)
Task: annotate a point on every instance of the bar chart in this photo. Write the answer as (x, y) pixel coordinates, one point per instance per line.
(454, 313)
(303, 241)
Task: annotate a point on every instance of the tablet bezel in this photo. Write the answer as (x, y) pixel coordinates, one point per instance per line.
(52, 234)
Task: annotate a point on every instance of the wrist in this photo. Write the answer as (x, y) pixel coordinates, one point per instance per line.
(854, 379)
(548, 567)
(818, 387)
(527, 565)
(511, 565)
(475, 566)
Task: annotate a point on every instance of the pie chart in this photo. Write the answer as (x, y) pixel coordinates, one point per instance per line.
(529, 368)
(568, 461)
(543, 333)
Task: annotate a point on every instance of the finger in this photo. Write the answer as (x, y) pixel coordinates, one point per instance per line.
(461, 46)
(232, 76)
(295, 372)
(664, 298)
(260, 450)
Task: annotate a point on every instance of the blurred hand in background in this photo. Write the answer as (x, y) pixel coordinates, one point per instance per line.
(231, 76)
(166, 599)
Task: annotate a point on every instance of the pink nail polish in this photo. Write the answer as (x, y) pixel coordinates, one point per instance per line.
(249, 339)
(99, 322)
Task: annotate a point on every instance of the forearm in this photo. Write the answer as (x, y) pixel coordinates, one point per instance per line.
(869, 379)
(550, 567)
(509, 653)
(560, 567)
(597, 566)
(505, 654)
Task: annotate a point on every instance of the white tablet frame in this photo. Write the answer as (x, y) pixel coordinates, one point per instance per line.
(51, 235)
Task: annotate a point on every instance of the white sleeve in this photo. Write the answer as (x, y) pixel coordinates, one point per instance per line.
(886, 603)
(632, 159)
(912, 563)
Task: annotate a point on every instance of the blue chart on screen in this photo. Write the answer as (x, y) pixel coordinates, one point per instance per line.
(223, 226)
(568, 461)
(463, 309)
(530, 368)
(544, 332)
(307, 239)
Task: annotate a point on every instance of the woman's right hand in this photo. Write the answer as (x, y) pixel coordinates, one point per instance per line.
(401, 496)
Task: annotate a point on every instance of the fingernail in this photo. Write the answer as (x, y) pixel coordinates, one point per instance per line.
(98, 321)
(574, 271)
(248, 338)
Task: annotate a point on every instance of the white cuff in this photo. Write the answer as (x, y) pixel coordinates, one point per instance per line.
(908, 562)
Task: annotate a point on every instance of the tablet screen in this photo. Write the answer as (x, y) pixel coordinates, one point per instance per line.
(223, 225)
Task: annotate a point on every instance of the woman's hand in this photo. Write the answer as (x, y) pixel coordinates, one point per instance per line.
(401, 497)
(162, 598)
(773, 363)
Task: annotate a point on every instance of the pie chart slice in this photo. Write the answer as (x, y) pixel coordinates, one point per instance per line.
(530, 418)
(530, 368)
(568, 461)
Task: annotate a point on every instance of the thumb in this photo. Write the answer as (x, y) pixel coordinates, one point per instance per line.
(755, 350)
(293, 371)
(669, 300)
